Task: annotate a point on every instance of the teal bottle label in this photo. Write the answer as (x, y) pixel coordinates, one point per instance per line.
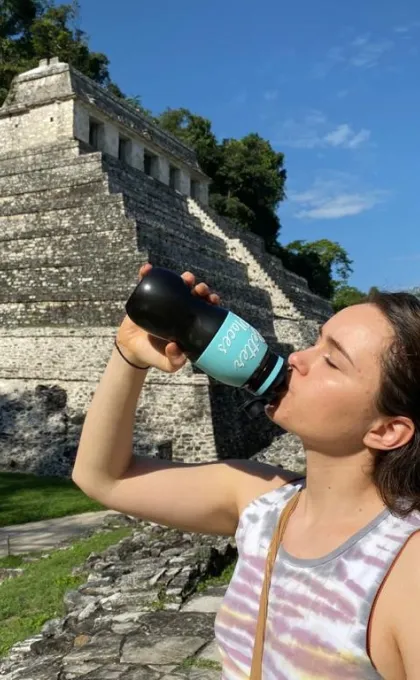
(235, 352)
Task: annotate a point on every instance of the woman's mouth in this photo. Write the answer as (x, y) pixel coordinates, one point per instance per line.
(275, 402)
(280, 393)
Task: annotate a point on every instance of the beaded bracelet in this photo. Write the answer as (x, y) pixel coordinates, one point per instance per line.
(140, 368)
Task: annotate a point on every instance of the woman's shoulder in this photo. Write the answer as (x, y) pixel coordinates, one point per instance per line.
(276, 496)
(262, 511)
(253, 480)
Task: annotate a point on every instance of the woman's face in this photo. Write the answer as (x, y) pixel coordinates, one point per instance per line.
(330, 401)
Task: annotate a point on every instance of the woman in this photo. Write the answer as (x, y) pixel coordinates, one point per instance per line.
(345, 588)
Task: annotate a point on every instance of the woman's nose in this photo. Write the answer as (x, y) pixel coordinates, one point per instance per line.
(299, 361)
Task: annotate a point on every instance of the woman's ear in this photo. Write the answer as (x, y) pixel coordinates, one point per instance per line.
(389, 433)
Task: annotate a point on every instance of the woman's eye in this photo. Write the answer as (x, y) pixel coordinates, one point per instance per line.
(330, 363)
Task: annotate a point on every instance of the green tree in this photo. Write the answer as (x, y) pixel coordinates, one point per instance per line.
(135, 101)
(345, 296)
(195, 131)
(55, 33)
(306, 263)
(323, 263)
(332, 257)
(253, 173)
(247, 175)
(17, 16)
(31, 30)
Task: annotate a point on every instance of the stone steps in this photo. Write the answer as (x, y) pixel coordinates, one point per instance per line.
(75, 220)
(156, 231)
(47, 161)
(235, 291)
(179, 220)
(126, 176)
(145, 202)
(80, 312)
(297, 285)
(146, 191)
(138, 615)
(248, 239)
(188, 231)
(294, 287)
(54, 199)
(145, 196)
(157, 244)
(38, 354)
(99, 279)
(278, 301)
(68, 148)
(74, 173)
(68, 249)
(310, 305)
(75, 248)
(191, 256)
(221, 281)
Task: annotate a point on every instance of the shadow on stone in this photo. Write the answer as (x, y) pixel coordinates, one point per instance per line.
(37, 434)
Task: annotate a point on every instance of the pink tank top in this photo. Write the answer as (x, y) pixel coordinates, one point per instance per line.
(318, 611)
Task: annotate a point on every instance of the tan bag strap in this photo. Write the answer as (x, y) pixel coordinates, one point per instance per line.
(257, 657)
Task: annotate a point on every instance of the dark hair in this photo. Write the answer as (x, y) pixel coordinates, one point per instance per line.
(396, 473)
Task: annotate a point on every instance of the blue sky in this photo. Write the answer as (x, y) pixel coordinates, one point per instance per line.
(335, 86)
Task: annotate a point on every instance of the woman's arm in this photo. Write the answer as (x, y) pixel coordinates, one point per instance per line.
(204, 497)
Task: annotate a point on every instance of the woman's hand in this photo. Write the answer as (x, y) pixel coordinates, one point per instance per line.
(143, 349)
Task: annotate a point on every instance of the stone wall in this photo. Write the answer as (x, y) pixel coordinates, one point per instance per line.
(75, 226)
(34, 127)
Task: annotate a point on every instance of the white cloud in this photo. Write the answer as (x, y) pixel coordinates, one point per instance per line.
(336, 207)
(302, 134)
(407, 28)
(335, 55)
(312, 132)
(315, 117)
(358, 139)
(339, 136)
(335, 198)
(271, 95)
(366, 53)
(362, 52)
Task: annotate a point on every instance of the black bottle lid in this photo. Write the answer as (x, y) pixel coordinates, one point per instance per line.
(164, 306)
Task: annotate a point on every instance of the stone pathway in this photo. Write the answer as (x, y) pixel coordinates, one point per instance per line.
(21, 539)
(138, 616)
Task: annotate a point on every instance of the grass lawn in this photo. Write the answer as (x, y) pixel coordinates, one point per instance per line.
(29, 600)
(28, 498)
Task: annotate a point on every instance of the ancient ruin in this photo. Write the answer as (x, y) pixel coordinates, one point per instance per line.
(89, 190)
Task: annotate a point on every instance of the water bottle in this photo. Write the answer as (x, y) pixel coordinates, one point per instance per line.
(217, 341)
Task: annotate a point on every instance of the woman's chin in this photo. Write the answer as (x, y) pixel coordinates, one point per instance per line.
(273, 412)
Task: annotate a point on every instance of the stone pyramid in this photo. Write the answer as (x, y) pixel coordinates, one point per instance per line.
(89, 190)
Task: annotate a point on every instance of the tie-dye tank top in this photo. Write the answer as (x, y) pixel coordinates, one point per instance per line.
(318, 610)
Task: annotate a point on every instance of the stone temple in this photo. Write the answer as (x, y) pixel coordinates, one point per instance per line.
(89, 190)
